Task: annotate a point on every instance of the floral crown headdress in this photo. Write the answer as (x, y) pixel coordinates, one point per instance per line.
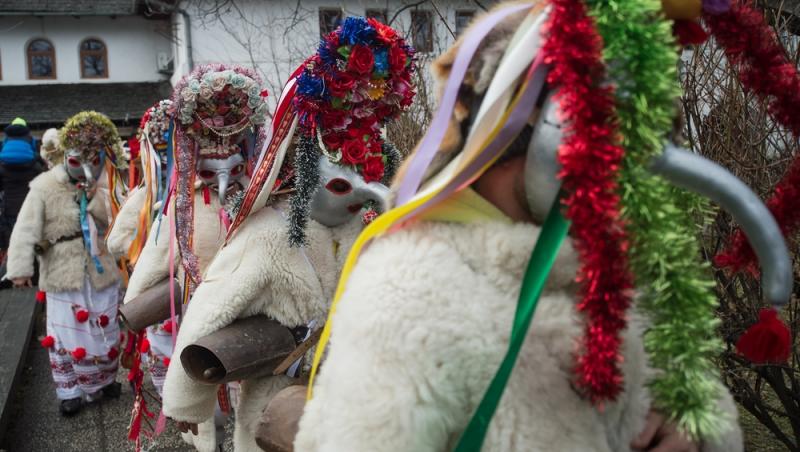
(216, 103)
(213, 107)
(358, 81)
(155, 122)
(89, 132)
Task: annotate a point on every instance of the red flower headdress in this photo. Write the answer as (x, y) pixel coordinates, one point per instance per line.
(359, 79)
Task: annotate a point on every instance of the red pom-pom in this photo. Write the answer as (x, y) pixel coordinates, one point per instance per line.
(82, 315)
(144, 346)
(103, 320)
(166, 361)
(689, 32)
(79, 353)
(113, 353)
(41, 296)
(768, 341)
(167, 326)
(48, 341)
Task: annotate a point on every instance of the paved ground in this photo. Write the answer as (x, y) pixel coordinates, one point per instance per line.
(36, 424)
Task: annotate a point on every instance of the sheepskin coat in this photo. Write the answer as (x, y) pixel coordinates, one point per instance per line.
(153, 264)
(51, 211)
(257, 273)
(421, 330)
(123, 230)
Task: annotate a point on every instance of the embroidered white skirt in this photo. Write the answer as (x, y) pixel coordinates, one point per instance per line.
(85, 334)
(160, 353)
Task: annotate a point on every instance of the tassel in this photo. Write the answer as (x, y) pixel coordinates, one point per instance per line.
(769, 341)
(206, 195)
(689, 32)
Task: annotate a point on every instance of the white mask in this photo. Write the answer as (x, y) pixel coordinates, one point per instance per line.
(342, 193)
(221, 173)
(541, 164)
(83, 168)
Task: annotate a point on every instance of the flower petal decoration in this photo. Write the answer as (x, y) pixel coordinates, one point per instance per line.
(102, 320)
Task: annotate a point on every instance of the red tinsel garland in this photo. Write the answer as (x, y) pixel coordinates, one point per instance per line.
(590, 157)
(753, 49)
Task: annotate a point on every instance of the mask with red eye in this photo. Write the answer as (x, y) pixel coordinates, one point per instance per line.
(83, 168)
(342, 193)
(221, 173)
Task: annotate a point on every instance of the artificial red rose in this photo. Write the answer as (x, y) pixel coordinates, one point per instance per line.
(113, 353)
(384, 33)
(103, 320)
(167, 326)
(361, 60)
(144, 346)
(48, 341)
(333, 140)
(82, 315)
(333, 119)
(341, 85)
(223, 109)
(354, 151)
(166, 361)
(79, 353)
(373, 169)
(397, 59)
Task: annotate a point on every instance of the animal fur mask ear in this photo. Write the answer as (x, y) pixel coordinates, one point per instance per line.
(479, 75)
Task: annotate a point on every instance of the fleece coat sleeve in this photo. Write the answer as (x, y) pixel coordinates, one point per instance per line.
(28, 230)
(153, 264)
(233, 280)
(125, 225)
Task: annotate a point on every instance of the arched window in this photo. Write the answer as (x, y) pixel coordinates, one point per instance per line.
(94, 59)
(41, 59)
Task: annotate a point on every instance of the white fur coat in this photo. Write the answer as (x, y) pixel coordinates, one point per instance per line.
(153, 264)
(51, 211)
(257, 273)
(421, 330)
(123, 230)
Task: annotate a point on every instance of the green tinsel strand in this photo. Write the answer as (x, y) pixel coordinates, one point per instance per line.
(676, 287)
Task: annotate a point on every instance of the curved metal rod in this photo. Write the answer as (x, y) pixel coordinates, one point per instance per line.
(700, 175)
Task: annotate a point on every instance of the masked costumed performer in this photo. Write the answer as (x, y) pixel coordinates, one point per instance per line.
(128, 234)
(414, 352)
(62, 222)
(283, 261)
(214, 108)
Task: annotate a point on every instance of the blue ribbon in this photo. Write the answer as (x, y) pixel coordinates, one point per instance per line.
(163, 189)
(87, 235)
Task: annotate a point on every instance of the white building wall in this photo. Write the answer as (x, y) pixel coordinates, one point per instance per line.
(132, 42)
(277, 36)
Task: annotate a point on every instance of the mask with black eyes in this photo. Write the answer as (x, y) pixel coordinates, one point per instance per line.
(84, 168)
(221, 173)
(342, 193)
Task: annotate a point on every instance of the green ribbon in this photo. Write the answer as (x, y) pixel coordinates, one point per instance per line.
(553, 233)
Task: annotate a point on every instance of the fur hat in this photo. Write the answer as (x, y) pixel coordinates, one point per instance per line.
(51, 151)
